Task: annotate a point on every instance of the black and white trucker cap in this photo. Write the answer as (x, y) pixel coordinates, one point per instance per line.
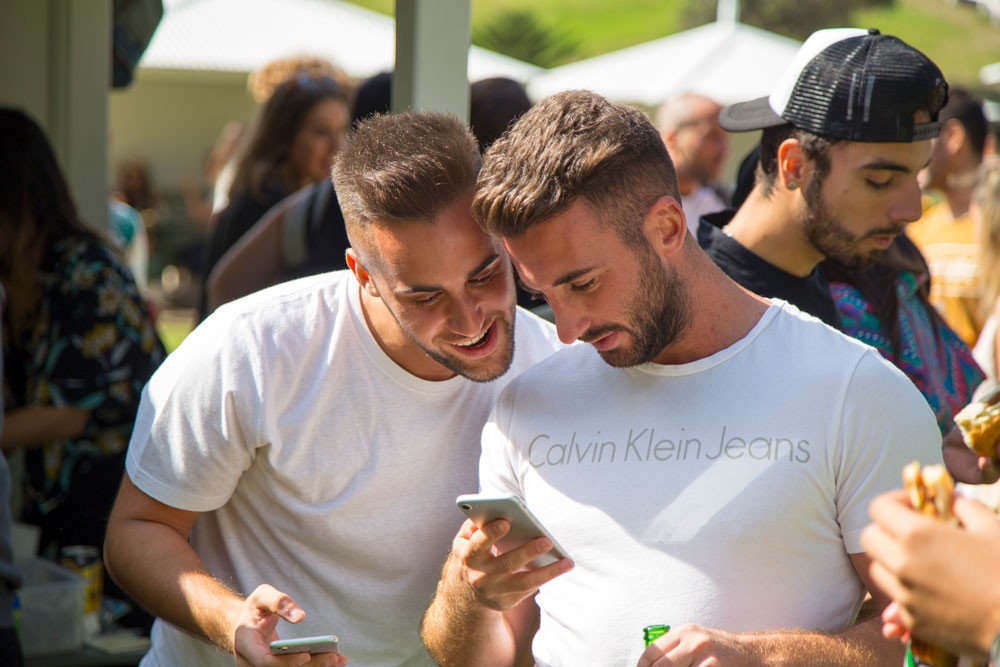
(847, 83)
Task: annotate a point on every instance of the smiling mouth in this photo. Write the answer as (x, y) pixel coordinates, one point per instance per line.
(477, 342)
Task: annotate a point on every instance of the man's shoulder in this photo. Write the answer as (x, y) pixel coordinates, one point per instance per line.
(290, 306)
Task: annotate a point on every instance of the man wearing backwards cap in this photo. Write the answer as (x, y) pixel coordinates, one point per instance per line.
(845, 132)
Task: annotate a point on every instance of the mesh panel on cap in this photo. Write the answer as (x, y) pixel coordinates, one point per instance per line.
(866, 89)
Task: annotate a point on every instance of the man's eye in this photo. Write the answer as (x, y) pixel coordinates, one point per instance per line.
(878, 184)
(427, 300)
(585, 286)
(482, 280)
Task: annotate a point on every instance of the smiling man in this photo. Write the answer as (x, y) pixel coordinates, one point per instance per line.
(845, 133)
(706, 459)
(313, 436)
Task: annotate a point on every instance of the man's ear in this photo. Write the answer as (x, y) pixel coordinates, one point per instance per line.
(360, 272)
(953, 136)
(792, 164)
(665, 226)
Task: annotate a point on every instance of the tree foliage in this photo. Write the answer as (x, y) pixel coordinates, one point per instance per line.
(519, 34)
(793, 18)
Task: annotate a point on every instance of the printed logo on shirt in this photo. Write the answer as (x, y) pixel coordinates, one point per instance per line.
(647, 446)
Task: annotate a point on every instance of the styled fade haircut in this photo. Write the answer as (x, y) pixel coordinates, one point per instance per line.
(403, 168)
(572, 145)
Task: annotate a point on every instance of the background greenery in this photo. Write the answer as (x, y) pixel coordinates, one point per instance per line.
(951, 32)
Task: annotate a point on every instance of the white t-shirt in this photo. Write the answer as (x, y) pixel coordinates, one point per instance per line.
(726, 492)
(323, 468)
(699, 202)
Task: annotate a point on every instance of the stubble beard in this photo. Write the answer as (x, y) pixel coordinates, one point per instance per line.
(829, 237)
(657, 313)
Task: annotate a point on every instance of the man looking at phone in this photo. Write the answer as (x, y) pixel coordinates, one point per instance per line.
(313, 436)
(706, 460)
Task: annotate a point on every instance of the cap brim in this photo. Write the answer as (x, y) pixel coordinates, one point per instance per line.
(753, 115)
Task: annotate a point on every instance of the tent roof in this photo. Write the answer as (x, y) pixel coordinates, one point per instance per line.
(243, 35)
(727, 61)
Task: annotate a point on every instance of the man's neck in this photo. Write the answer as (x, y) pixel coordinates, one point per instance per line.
(771, 228)
(958, 193)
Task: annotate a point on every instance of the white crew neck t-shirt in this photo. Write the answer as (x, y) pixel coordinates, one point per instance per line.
(726, 492)
(322, 467)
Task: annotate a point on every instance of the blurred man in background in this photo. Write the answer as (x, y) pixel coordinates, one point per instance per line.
(689, 125)
(945, 234)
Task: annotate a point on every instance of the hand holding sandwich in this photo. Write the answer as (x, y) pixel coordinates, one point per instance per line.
(970, 448)
(944, 578)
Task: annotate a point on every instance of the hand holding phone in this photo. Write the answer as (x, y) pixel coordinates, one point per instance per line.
(310, 645)
(524, 526)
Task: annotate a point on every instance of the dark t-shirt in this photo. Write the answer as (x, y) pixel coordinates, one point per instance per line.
(324, 235)
(810, 294)
(233, 222)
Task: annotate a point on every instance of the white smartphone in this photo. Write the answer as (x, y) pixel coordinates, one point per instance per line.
(524, 526)
(310, 645)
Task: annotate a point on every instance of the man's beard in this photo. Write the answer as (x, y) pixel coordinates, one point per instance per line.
(656, 314)
(483, 370)
(829, 237)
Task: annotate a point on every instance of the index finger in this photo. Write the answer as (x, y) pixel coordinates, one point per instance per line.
(974, 515)
(892, 512)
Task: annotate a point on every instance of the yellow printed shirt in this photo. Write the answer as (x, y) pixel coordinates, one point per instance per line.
(950, 248)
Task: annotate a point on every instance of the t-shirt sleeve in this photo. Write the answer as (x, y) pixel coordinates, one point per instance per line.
(196, 429)
(496, 469)
(885, 424)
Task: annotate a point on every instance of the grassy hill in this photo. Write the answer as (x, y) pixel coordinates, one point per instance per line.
(959, 39)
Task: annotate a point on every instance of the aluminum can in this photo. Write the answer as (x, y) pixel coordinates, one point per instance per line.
(85, 560)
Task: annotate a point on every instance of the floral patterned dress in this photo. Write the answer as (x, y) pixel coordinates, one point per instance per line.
(93, 347)
(938, 362)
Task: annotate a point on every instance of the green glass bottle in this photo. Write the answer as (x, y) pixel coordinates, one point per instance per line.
(651, 632)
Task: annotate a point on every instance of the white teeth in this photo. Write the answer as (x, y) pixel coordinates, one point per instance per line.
(473, 342)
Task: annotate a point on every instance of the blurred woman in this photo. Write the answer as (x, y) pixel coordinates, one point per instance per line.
(985, 212)
(300, 129)
(78, 344)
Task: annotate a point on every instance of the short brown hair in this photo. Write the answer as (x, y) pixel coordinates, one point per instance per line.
(403, 168)
(570, 145)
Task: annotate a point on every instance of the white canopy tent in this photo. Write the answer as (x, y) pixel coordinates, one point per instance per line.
(243, 35)
(725, 60)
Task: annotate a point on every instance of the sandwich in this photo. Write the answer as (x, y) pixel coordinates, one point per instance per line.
(979, 423)
(931, 489)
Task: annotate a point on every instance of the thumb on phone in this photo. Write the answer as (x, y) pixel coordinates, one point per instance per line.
(269, 600)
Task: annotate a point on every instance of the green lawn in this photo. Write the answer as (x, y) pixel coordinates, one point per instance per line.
(956, 37)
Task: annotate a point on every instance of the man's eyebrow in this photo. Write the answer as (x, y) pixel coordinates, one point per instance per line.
(572, 275)
(881, 164)
(421, 289)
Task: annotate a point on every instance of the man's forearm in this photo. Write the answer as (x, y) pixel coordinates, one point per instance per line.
(860, 645)
(159, 569)
(459, 631)
(36, 425)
